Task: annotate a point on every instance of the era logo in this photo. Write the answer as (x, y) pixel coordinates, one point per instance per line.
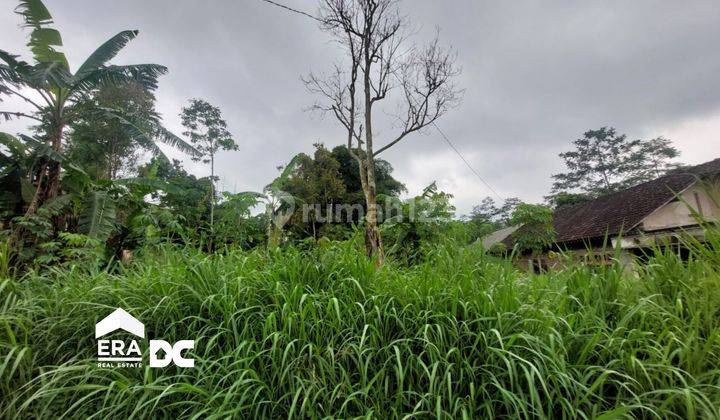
(114, 350)
(127, 353)
(173, 353)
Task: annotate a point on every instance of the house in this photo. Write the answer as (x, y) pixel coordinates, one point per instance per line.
(652, 213)
(498, 236)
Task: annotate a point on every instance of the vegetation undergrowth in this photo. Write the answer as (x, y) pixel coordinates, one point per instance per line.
(322, 332)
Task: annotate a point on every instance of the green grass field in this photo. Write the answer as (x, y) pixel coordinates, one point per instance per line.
(323, 333)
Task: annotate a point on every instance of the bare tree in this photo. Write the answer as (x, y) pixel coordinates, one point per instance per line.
(379, 65)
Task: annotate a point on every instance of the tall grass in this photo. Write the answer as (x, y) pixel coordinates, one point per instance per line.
(323, 333)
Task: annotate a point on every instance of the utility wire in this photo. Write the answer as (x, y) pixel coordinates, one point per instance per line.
(445, 137)
(452, 146)
(292, 10)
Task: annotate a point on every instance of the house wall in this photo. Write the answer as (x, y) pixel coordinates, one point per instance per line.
(677, 213)
(591, 257)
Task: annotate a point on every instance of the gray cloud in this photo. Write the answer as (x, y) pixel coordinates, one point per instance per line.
(536, 73)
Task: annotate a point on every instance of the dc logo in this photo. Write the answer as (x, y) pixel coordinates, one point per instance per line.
(173, 353)
(126, 353)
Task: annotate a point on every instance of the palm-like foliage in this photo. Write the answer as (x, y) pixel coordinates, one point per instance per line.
(97, 220)
(59, 88)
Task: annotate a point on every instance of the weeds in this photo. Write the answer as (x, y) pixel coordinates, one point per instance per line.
(321, 332)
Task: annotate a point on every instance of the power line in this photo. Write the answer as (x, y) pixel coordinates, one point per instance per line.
(447, 140)
(445, 137)
(292, 10)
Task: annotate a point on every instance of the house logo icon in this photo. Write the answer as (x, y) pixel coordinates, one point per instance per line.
(119, 320)
(126, 353)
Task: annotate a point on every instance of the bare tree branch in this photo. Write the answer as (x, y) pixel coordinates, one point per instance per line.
(428, 89)
(377, 70)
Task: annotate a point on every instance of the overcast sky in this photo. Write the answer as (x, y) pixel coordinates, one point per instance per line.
(536, 74)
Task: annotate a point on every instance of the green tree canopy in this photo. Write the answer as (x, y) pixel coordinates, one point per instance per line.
(186, 195)
(487, 216)
(103, 147)
(330, 178)
(208, 132)
(604, 161)
(385, 184)
(536, 229)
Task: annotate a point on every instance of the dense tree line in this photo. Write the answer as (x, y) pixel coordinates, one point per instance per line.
(89, 180)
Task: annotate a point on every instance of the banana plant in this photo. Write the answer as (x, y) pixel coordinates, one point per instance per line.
(59, 88)
(94, 209)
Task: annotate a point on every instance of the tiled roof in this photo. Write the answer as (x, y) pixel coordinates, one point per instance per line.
(623, 210)
(620, 211)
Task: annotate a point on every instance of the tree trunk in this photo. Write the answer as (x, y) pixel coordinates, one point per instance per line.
(53, 183)
(212, 193)
(212, 199)
(50, 173)
(32, 207)
(373, 242)
(113, 165)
